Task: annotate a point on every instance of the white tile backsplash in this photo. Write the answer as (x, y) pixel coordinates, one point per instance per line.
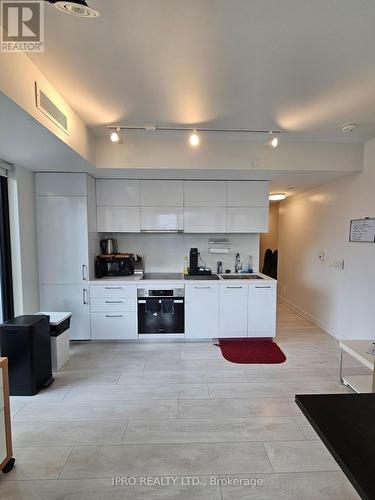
(166, 252)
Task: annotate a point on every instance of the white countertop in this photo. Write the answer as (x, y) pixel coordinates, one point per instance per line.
(137, 279)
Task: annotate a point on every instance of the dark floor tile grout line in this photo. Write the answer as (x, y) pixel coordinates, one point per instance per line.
(66, 461)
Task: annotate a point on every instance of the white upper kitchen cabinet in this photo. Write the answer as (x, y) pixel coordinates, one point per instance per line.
(262, 310)
(247, 193)
(62, 239)
(118, 219)
(247, 220)
(118, 192)
(69, 298)
(162, 219)
(162, 193)
(233, 310)
(205, 194)
(202, 311)
(205, 220)
(56, 184)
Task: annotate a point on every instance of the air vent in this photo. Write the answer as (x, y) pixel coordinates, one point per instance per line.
(46, 106)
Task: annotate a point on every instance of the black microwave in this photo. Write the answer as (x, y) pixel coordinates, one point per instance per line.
(114, 265)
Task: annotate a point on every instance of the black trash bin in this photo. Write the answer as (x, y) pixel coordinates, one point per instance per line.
(26, 342)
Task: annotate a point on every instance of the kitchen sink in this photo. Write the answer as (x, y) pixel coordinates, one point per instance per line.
(241, 277)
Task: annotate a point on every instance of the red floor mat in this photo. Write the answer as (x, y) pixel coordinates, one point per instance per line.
(250, 351)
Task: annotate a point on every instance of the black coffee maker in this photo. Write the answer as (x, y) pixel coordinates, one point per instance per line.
(194, 268)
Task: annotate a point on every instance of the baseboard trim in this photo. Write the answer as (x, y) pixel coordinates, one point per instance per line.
(308, 316)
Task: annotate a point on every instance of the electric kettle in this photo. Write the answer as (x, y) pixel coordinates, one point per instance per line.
(107, 246)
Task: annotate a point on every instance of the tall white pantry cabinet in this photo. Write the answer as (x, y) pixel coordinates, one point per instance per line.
(67, 243)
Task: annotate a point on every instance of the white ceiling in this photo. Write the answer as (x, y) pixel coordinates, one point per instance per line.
(306, 66)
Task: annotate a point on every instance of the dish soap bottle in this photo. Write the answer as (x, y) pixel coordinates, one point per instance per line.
(185, 265)
(251, 264)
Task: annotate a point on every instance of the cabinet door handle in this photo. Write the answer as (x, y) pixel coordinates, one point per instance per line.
(114, 301)
(84, 296)
(114, 316)
(113, 287)
(202, 287)
(84, 267)
(262, 287)
(234, 287)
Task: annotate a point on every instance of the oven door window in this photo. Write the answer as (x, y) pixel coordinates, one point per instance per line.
(157, 315)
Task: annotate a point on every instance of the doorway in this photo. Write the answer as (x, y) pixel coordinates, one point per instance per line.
(6, 287)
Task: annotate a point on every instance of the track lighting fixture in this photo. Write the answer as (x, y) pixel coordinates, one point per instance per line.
(115, 136)
(194, 139)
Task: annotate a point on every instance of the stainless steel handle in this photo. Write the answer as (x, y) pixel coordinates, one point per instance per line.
(84, 267)
(202, 287)
(84, 296)
(178, 301)
(113, 287)
(114, 301)
(263, 287)
(141, 302)
(234, 287)
(114, 316)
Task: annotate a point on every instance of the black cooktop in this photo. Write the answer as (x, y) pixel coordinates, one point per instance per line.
(202, 277)
(163, 276)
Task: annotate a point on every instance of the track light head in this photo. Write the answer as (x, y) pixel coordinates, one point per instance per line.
(194, 139)
(115, 136)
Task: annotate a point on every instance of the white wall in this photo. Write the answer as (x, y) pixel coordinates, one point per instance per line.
(166, 252)
(155, 151)
(23, 240)
(340, 301)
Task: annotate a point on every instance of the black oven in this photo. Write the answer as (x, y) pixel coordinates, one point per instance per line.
(161, 311)
(114, 265)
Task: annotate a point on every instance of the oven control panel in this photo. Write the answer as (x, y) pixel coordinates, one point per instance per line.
(147, 292)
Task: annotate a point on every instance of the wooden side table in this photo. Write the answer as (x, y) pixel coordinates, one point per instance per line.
(6, 452)
(358, 350)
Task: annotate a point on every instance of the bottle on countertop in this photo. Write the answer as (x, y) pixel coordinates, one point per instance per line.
(185, 265)
(219, 269)
(251, 264)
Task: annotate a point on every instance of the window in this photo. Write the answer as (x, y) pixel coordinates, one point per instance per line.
(6, 289)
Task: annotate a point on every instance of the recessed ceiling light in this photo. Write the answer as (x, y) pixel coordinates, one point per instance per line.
(348, 127)
(77, 8)
(194, 139)
(277, 196)
(275, 142)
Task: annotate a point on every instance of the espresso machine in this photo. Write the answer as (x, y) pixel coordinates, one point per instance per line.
(194, 268)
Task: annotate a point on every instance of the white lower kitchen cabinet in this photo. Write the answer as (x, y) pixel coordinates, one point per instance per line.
(233, 310)
(162, 219)
(111, 219)
(202, 313)
(205, 220)
(69, 298)
(114, 325)
(247, 220)
(262, 310)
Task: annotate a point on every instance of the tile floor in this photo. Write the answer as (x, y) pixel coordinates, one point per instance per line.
(141, 411)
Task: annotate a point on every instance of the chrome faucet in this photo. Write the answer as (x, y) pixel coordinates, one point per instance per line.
(237, 263)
